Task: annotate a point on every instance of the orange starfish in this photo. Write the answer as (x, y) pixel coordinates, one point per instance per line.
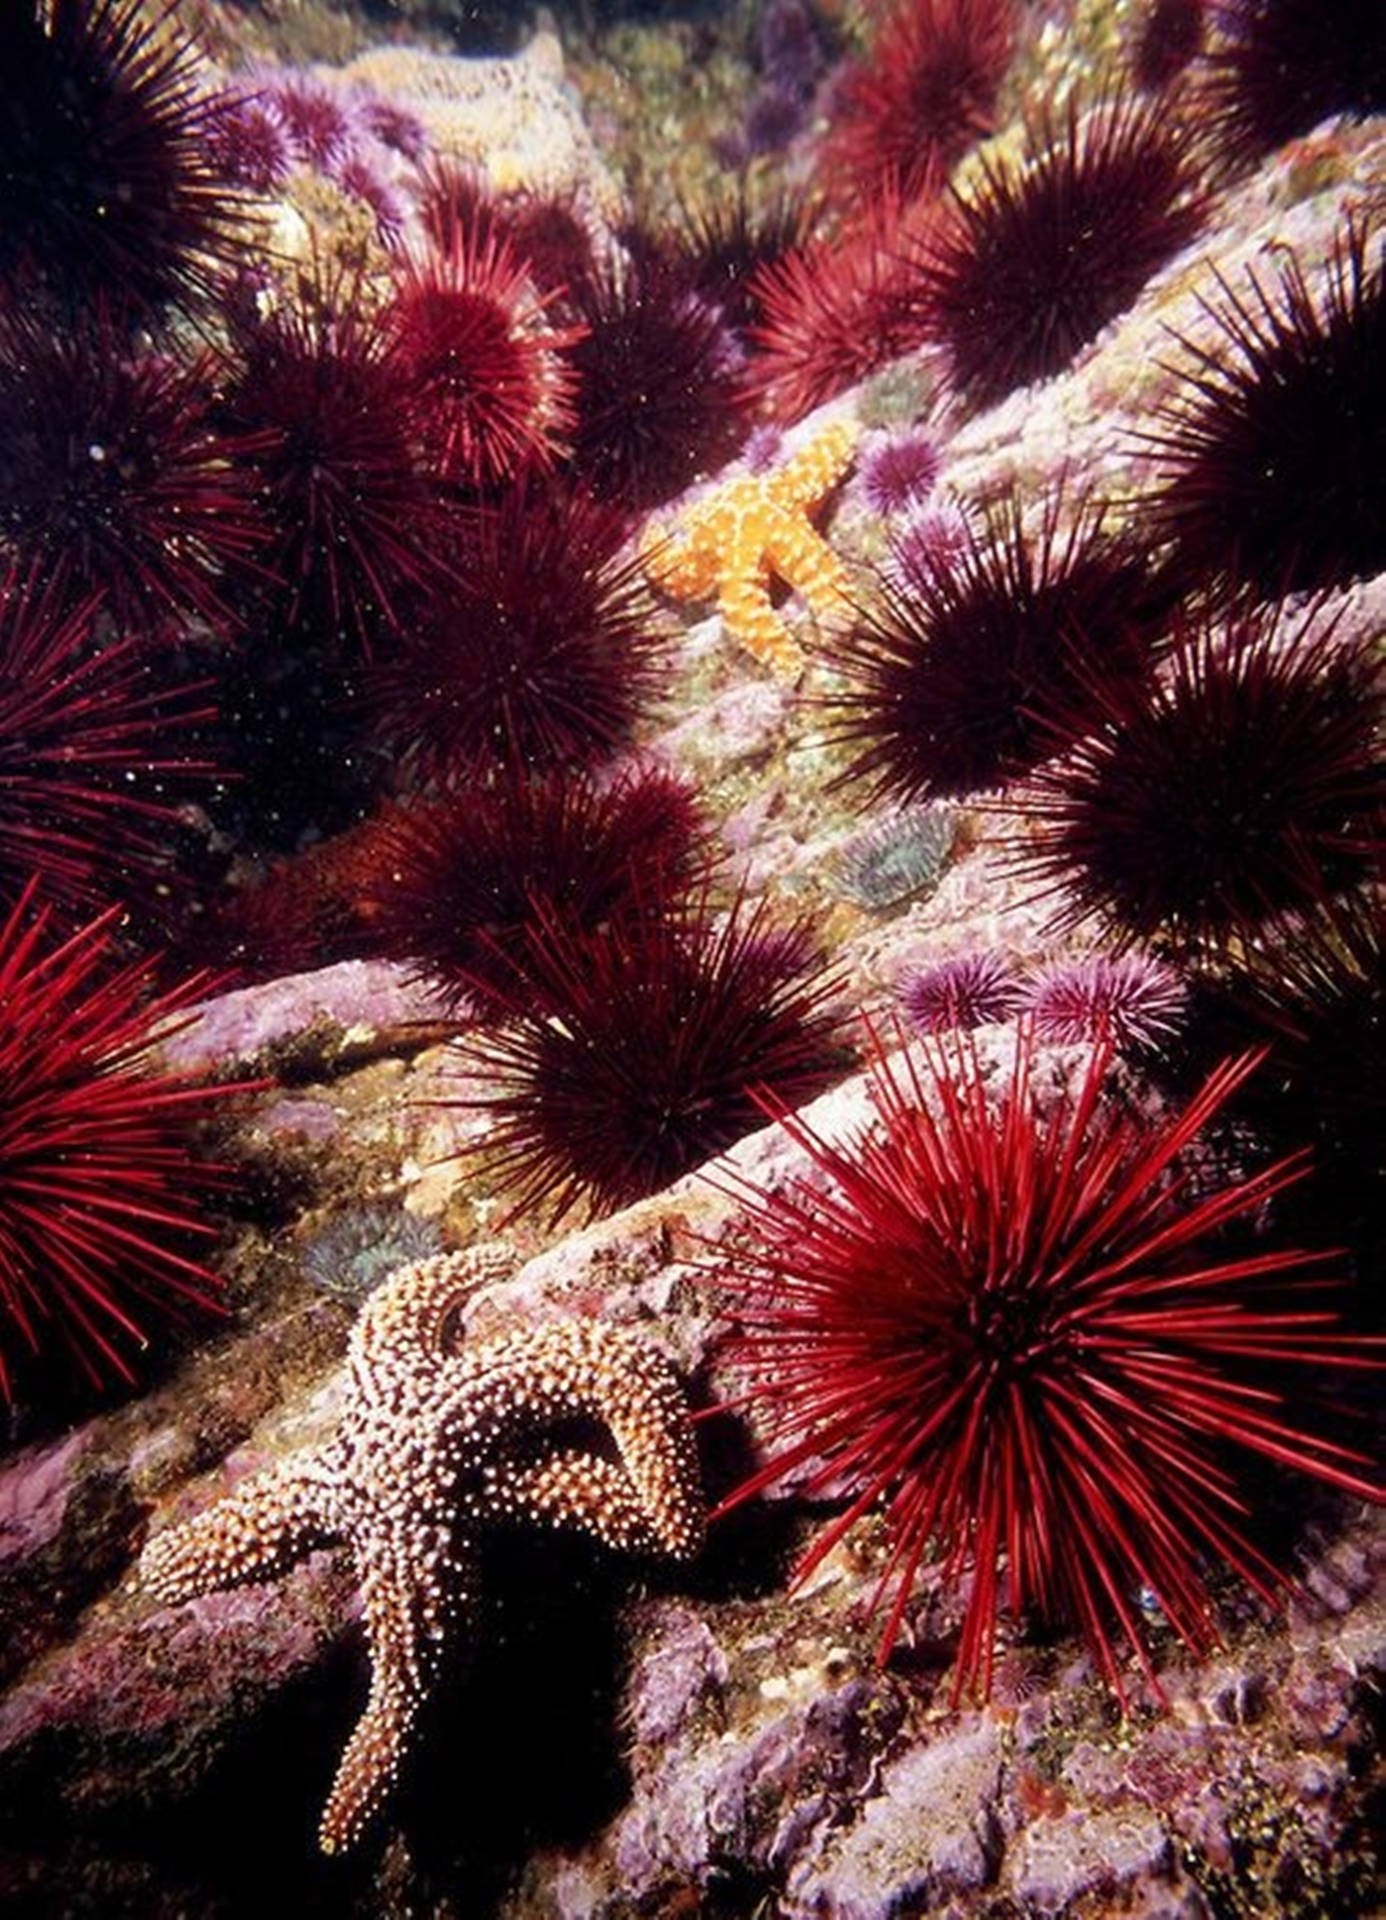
(731, 543)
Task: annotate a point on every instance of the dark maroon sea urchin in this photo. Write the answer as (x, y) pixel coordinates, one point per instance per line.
(658, 395)
(1248, 779)
(114, 479)
(1027, 264)
(462, 885)
(354, 527)
(1272, 449)
(1025, 1340)
(109, 188)
(1279, 67)
(950, 679)
(540, 658)
(638, 1051)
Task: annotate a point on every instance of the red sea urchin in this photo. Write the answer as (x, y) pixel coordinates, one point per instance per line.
(491, 387)
(1020, 1333)
(113, 477)
(951, 677)
(1248, 779)
(1030, 261)
(106, 191)
(98, 1171)
(911, 107)
(541, 657)
(93, 756)
(1271, 450)
(828, 313)
(637, 1051)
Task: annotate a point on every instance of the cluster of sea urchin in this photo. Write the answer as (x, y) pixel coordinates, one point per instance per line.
(1014, 1329)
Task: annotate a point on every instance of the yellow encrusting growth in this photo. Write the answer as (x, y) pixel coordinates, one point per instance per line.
(752, 529)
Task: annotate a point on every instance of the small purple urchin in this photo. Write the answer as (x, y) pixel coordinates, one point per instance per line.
(1133, 998)
(898, 470)
(966, 990)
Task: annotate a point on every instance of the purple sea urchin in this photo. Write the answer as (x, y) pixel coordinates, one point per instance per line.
(898, 470)
(1131, 999)
(1271, 451)
(1026, 265)
(967, 990)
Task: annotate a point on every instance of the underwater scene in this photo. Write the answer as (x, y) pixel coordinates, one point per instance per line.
(692, 957)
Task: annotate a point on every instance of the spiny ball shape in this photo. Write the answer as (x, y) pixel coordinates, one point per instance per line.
(636, 1051)
(911, 107)
(967, 990)
(94, 757)
(1280, 67)
(898, 470)
(1018, 1333)
(463, 884)
(114, 479)
(1032, 258)
(1312, 989)
(355, 527)
(542, 657)
(1247, 779)
(491, 390)
(827, 314)
(106, 188)
(99, 1176)
(1270, 451)
(952, 677)
(1132, 999)
(658, 396)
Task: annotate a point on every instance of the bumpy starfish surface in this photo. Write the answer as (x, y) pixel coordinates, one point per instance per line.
(733, 541)
(434, 1442)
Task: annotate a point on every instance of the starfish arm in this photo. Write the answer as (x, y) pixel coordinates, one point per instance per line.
(587, 1494)
(415, 1592)
(749, 616)
(585, 1368)
(807, 563)
(810, 475)
(255, 1533)
(680, 564)
(403, 1325)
